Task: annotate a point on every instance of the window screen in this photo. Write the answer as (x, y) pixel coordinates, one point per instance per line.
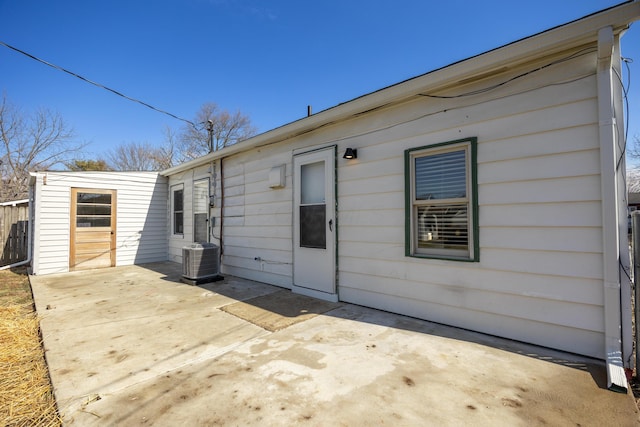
(440, 207)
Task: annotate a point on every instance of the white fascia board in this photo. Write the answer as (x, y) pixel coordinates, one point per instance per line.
(573, 34)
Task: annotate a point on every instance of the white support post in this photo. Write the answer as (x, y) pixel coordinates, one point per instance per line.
(616, 378)
(626, 292)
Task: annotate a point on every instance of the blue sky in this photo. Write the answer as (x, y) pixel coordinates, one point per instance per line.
(269, 59)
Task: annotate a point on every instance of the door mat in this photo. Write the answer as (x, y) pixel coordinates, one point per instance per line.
(279, 310)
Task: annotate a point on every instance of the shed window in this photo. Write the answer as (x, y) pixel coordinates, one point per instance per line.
(93, 209)
(441, 209)
(177, 209)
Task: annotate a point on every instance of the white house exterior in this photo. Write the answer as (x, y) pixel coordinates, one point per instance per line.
(530, 243)
(138, 235)
(487, 195)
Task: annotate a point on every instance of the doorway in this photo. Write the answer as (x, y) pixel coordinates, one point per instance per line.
(93, 229)
(314, 224)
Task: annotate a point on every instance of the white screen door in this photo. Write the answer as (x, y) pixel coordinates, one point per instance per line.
(314, 224)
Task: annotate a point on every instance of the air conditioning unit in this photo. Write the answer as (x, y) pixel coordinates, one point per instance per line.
(200, 263)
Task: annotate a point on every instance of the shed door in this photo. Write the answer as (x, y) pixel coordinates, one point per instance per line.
(314, 263)
(93, 229)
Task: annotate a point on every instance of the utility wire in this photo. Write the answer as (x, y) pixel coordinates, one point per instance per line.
(57, 67)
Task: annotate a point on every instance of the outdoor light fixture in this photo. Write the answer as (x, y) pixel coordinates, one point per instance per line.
(350, 153)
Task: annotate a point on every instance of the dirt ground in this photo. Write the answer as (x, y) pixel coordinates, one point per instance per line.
(26, 397)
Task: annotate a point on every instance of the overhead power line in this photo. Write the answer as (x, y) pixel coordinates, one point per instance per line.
(57, 67)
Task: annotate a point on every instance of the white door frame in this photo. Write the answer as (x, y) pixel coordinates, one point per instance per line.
(314, 268)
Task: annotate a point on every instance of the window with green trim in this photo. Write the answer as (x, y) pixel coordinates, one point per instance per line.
(441, 206)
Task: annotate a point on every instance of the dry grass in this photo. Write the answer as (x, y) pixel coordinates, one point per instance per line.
(26, 398)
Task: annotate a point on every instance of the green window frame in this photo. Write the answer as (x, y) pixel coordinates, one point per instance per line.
(441, 201)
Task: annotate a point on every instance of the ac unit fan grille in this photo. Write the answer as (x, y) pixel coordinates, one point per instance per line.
(200, 261)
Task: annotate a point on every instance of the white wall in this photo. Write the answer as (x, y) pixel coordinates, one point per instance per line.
(141, 216)
(539, 278)
(185, 181)
(258, 219)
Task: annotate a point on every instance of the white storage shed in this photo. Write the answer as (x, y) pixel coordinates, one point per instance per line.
(85, 220)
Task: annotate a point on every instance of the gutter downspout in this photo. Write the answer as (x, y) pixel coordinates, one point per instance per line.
(29, 236)
(221, 212)
(616, 379)
(626, 290)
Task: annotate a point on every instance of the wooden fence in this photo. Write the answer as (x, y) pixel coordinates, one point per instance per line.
(14, 222)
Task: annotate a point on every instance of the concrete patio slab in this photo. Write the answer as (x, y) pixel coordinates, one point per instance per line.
(133, 346)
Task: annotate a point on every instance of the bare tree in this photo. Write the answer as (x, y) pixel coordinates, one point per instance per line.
(136, 156)
(633, 170)
(29, 142)
(226, 129)
(167, 153)
(88, 165)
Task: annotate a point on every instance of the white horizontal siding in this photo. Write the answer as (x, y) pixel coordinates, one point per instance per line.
(140, 216)
(557, 214)
(566, 189)
(560, 288)
(574, 138)
(540, 270)
(573, 164)
(259, 276)
(373, 234)
(576, 239)
(570, 264)
(142, 224)
(283, 231)
(373, 201)
(257, 221)
(370, 217)
(448, 293)
(539, 278)
(551, 335)
(186, 181)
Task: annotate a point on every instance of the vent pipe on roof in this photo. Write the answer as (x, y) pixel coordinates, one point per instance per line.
(309, 111)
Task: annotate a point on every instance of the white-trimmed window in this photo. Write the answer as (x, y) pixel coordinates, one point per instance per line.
(441, 205)
(201, 211)
(177, 209)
